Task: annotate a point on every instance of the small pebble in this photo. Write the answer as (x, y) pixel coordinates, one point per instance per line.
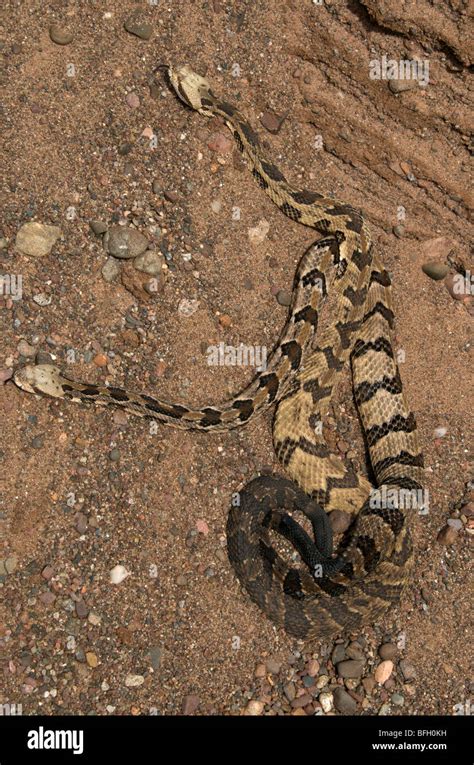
(10, 564)
(60, 35)
(254, 708)
(350, 668)
(447, 536)
(284, 297)
(5, 374)
(132, 100)
(138, 28)
(98, 227)
(327, 701)
(190, 704)
(187, 307)
(118, 574)
(407, 669)
(156, 656)
(150, 262)
(435, 270)
(124, 243)
(259, 232)
(272, 121)
(134, 681)
(400, 86)
(47, 572)
(25, 349)
(82, 610)
(42, 299)
(110, 270)
(343, 702)
(220, 143)
(388, 651)
(399, 230)
(91, 659)
(100, 360)
(383, 671)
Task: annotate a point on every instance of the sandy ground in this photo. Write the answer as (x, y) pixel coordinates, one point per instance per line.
(84, 490)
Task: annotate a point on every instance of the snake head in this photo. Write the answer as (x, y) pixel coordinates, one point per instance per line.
(191, 88)
(43, 378)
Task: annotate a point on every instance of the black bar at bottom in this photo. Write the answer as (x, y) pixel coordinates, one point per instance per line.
(157, 738)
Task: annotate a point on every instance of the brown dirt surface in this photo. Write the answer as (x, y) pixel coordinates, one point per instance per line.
(85, 490)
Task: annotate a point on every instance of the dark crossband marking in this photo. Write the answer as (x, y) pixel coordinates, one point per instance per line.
(118, 394)
(89, 390)
(315, 276)
(292, 584)
(346, 331)
(211, 417)
(356, 297)
(404, 458)
(168, 410)
(331, 359)
(228, 109)
(380, 277)
(249, 134)
(396, 424)
(369, 551)
(380, 345)
(261, 180)
(246, 407)
(361, 258)
(291, 211)
(382, 309)
(271, 383)
(367, 390)
(292, 350)
(306, 197)
(238, 141)
(273, 172)
(307, 314)
(317, 392)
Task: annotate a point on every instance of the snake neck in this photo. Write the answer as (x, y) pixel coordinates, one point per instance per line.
(325, 214)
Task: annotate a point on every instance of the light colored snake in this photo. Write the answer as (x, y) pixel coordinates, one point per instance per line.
(375, 557)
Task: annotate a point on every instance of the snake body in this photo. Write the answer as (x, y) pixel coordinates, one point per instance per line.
(374, 558)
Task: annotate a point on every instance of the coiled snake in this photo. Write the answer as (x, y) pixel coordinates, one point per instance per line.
(374, 558)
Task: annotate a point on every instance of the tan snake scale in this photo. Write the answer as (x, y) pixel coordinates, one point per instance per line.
(374, 559)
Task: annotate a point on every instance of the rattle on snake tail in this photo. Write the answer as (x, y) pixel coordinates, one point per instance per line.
(375, 557)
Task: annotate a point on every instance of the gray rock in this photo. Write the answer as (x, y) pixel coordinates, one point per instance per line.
(338, 654)
(354, 651)
(284, 297)
(155, 653)
(124, 242)
(388, 651)
(343, 702)
(350, 668)
(110, 270)
(408, 670)
(435, 270)
(60, 35)
(400, 86)
(138, 28)
(11, 563)
(150, 262)
(98, 227)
